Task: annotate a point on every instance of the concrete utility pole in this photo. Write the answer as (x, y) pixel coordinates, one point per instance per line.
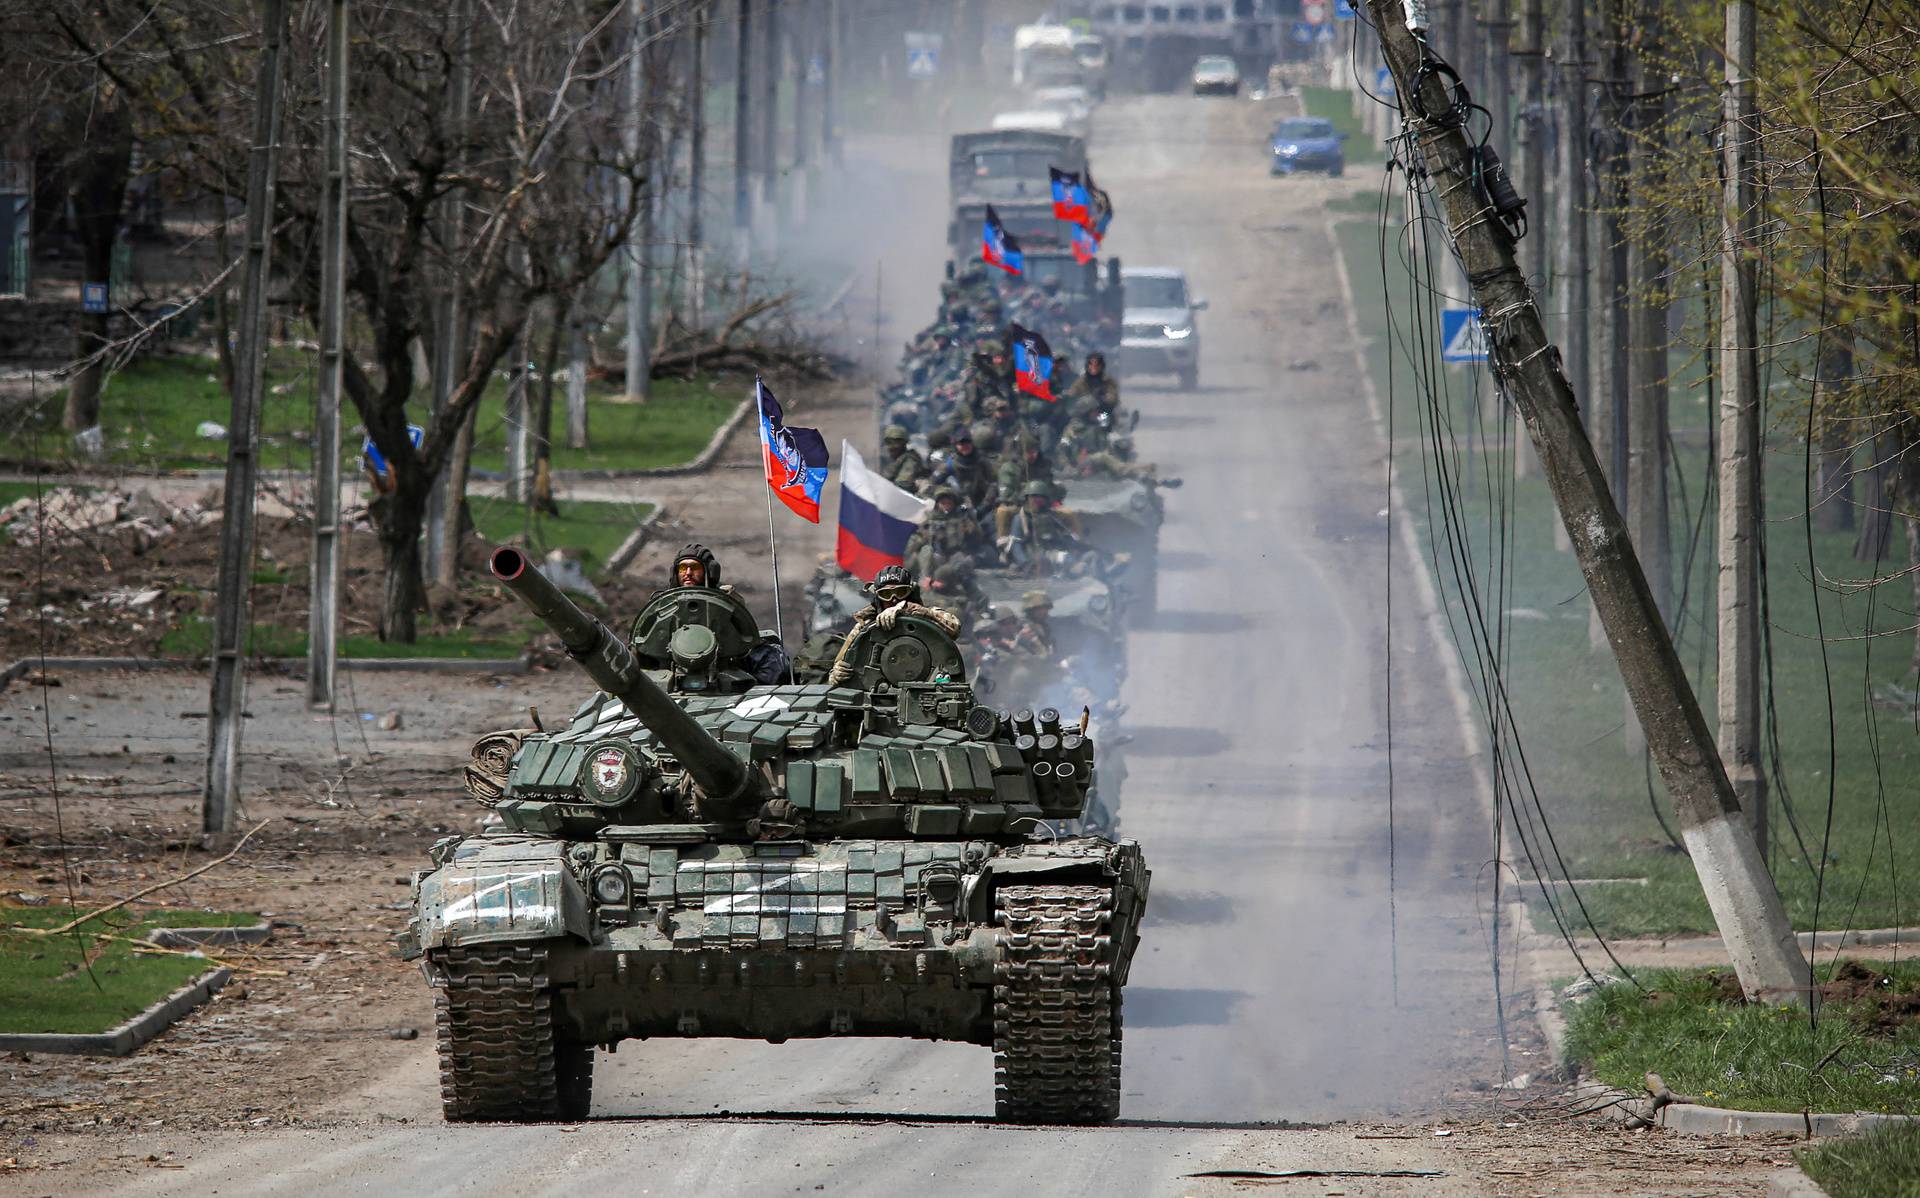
(639, 387)
(447, 502)
(800, 39)
(1740, 458)
(579, 357)
(323, 601)
(697, 171)
(227, 695)
(1647, 368)
(518, 413)
(770, 72)
(1528, 53)
(830, 54)
(1752, 922)
(743, 135)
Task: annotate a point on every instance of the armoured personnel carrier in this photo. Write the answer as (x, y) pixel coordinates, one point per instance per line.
(774, 861)
(1123, 516)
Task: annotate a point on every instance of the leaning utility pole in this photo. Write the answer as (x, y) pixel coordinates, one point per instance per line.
(227, 695)
(743, 135)
(1740, 460)
(323, 604)
(639, 385)
(1753, 923)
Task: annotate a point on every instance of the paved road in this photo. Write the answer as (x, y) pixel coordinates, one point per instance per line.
(1266, 990)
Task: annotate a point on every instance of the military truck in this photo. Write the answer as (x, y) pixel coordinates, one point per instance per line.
(1008, 169)
(775, 861)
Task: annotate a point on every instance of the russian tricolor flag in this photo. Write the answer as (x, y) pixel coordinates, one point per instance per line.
(876, 518)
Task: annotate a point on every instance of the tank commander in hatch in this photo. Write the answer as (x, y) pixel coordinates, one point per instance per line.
(895, 594)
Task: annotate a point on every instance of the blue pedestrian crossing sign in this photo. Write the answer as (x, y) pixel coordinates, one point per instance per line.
(1343, 10)
(1462, 340)
(923, 55)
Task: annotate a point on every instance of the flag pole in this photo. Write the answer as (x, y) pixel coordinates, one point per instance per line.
(773, 543)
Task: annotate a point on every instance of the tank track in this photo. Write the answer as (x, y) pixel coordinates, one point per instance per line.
(500, 1058)
(1056, 1010)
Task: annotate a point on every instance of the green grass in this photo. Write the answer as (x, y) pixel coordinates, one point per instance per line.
(150, 412)
(43, 987)
(1337, 106)
(597, 529)
(1569, 704)
(668, 430)
(1692, 1029)
(193, 638)
(1884, 1163)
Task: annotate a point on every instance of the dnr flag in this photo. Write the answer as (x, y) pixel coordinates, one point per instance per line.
(1070, 198)
(1085, 244)
(997, 246)
(876, 518)
(1099, 208)
(795, 458)
(1032, 362)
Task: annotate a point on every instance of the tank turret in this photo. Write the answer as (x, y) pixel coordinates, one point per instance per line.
(724, 780)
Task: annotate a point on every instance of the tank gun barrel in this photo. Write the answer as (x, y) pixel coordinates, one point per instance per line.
(723, 777)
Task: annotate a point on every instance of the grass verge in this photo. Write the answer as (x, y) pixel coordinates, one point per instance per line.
(1694, 1030)
(151, 413)
(45, 987)
(1603, 804)
(1337, 106)
(593, 529)
(1884, 1163)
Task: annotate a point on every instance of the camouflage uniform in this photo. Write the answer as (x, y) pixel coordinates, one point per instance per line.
(1034, 633)
(894, 594)
(899, 464)
(1022, 464)
(1038, 526)
(948, 532)
(954, 588)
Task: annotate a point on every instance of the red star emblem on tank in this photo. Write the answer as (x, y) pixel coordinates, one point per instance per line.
(609, 771)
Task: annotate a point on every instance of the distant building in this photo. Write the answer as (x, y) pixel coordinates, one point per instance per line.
(1152, 46)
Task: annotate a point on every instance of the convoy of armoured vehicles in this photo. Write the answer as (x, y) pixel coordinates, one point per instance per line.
(897, 832)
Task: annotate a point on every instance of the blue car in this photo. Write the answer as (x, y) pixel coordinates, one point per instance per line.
(1307, 143)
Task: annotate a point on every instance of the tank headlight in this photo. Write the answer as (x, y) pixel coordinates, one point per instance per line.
(1098, 603)
(611, 886)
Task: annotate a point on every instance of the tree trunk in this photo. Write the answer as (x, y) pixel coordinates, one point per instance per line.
(1876, 525)
(1833, 493)
(540, 493)
(99, 197)
(399, 518)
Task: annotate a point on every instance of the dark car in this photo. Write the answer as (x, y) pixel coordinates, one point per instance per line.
(1307, 143)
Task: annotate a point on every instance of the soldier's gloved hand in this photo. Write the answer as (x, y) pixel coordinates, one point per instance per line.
(887, 616)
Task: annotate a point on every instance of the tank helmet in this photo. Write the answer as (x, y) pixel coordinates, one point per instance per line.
(1035, 601)
(1037, 489)
(892, 584)
(894, 432)
(946, 491)
(939, 439)
(701, 556)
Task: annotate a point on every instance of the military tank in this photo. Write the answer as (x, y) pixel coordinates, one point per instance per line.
(1123, 516)
(786, 860)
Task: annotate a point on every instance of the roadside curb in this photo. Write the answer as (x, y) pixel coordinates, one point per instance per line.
(405, 665)
(636, 540)
(258, 933)
(1809, 941)
(122, 1040)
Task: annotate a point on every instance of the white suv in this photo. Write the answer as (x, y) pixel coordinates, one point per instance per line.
(1158, 334)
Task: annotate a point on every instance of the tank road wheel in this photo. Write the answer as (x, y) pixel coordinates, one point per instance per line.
(499, 1059)
(1056, 1010)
